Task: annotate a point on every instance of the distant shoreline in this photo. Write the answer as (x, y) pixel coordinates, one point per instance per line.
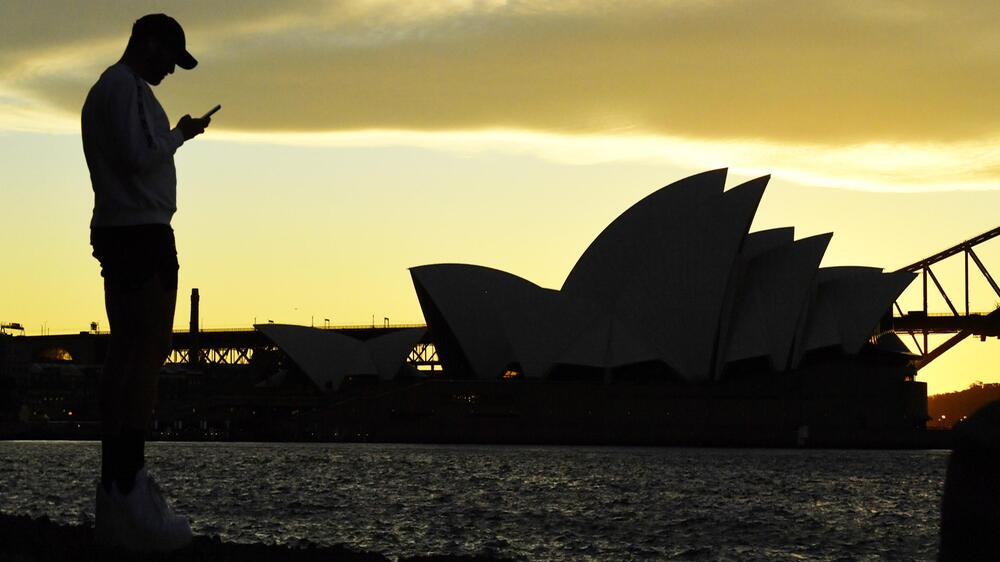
(938, 439)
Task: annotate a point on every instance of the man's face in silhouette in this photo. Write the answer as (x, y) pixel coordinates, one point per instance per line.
(160, 61)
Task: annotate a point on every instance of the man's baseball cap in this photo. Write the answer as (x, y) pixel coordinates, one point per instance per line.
(166, 29)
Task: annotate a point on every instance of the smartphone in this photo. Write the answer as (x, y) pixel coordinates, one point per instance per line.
(211, 111)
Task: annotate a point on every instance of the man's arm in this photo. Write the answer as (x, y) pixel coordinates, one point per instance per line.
(136, 141)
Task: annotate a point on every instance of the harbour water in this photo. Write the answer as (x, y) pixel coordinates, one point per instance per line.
(532, 503)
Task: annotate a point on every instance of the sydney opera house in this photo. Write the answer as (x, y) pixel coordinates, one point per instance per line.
(676, 325)
(676, 286)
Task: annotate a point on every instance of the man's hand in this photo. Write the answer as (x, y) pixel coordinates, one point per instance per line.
(191, 127)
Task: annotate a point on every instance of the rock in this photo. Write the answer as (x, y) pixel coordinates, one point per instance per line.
(970, 507)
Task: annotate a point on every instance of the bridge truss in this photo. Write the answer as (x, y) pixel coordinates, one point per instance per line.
(424, 357)
(960, 322)
(212, 356)
(237, 347)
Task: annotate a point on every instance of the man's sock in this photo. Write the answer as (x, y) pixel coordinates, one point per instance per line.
(131, 458)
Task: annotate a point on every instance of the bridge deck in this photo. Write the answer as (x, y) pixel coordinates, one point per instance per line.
(978, 324)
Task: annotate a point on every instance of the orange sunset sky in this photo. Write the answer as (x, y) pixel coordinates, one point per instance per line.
(362, 137)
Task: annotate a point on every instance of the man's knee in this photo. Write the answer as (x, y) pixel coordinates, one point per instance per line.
(154, 348)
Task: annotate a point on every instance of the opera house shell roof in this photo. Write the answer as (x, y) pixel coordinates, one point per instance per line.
(677, 284)
(328, 358)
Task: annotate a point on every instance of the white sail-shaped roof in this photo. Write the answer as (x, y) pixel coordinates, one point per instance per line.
(662, 267)
(608, 343)
(757, 243)
(496, 319)
(327, 358)
(821, 326)
(457, 303)
(389, 351)
(754, 244)
(860, 302)
(774, 290)
(846, 306)
(543, 325)
(529, 326)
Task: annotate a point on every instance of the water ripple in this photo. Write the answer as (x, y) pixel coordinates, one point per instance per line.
(537, 503)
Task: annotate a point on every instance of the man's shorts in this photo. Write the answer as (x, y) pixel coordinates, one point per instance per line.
(131, 255)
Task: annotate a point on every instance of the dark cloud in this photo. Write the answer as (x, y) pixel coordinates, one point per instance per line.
(29, 24)
(783, 71)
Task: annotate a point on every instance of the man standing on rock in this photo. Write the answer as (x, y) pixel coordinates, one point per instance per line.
(129, 147)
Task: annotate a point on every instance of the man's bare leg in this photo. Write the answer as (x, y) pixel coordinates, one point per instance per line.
(141, 330)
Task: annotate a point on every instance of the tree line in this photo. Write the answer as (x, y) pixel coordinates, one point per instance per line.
(947, 409)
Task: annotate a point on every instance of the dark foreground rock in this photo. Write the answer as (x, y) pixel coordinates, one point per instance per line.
(970, 506)
(23, 539)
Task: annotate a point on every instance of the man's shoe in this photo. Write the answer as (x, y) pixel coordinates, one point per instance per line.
(109, 529)
(140, 520)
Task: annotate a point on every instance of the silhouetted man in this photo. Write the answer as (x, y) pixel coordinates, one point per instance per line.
(130, 147)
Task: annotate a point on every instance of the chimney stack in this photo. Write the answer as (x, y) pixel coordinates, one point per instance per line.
(194, 350)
